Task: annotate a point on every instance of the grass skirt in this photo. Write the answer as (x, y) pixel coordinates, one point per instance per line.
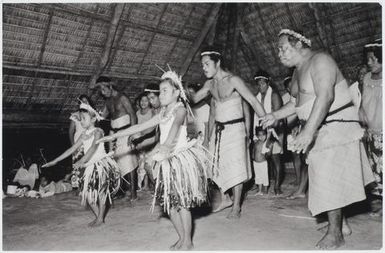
(101, 180)
(181, 177)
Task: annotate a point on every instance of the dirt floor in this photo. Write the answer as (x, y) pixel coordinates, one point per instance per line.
(267, 223)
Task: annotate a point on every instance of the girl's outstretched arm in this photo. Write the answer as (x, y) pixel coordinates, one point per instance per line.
(98, 134)
(131, 130)
(66, 154)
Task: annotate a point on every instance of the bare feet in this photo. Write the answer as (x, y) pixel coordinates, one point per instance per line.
(346, 230)
(278, 192)
(223, 205)
(296, 195)
(234, 214)
(259, 193)
(331, 241)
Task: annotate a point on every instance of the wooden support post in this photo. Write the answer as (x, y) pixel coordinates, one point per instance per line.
(118, 10)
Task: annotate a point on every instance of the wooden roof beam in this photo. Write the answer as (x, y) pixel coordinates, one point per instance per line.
(197, 43)
(118, 10)
(76, 73)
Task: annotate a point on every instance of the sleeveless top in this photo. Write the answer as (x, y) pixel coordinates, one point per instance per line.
(166, 122)
(87, 143)
(372, 102)
(143, 117)
(75, 117)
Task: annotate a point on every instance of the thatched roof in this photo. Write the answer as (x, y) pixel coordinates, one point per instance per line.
(52, 52)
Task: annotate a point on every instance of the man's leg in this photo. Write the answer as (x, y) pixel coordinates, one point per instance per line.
(304, 179)
(225, 202)
(236, 210)
(333, 237)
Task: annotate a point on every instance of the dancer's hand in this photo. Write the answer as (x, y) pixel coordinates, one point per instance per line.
(49, 164)
(268, 120)
(107, 138)
(77, 165)
(301, 142)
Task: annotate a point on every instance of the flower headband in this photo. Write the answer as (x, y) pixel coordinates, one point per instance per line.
(261, 77)
(89, 108)
(296, 35)
(210, 52)
(373, 45)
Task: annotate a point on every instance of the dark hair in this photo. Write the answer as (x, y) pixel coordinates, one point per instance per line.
(103, 79)
(143, 94)
(215, 57)
(195, 86)
(260, 129)
(376, 50)
(287, 81)
(293, 40)
(152, 88)
(90, 102)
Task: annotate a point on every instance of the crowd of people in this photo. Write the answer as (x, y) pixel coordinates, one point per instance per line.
(182, 136)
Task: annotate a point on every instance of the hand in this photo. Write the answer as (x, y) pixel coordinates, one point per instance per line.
(268, 120)
(301, 142)
(77, 165)
(105, 139)
(49, 164)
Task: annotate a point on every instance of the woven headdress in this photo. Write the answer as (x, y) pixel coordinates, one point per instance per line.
(177, 79)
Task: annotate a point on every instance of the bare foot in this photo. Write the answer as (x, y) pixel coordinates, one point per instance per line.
(187, 246)
(92, 223)
(234, 214)
(223, 205)
(278, 192)
(346, 230)
(97, 223)
(331, 241)
(177, 245)
(296, 196)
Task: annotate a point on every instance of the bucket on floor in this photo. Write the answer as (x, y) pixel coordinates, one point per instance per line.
(11, 189)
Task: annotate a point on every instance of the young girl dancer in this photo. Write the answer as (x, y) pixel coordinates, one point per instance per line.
(180, 166)
(101, 176)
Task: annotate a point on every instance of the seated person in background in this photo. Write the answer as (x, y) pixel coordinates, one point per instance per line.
(48, 189)
(27, 177)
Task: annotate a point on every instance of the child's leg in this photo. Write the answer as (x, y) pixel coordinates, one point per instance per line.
(133, 184)
(176, 220)
(102, 207)
(94, 209)
(278, 171)
(187, 227)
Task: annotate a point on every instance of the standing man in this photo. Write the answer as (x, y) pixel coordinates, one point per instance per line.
(271, 101)
(330, 134)
(229, 142)
(118, 108)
